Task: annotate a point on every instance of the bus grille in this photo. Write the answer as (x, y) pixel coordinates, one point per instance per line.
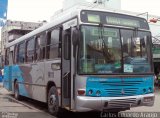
(121, 88)
(122, 103)
(121, 92)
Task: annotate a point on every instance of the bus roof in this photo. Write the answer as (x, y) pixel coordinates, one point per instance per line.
(62, 17)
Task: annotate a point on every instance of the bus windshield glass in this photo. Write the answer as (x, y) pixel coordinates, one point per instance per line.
(105, 50)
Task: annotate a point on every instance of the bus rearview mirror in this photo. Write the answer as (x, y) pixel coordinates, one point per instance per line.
(75, 37)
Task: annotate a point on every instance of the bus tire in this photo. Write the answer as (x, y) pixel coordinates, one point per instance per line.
(16, 91)
(53, 101)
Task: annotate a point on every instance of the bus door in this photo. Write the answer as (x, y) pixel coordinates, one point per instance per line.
(66, 70)
(68, 67)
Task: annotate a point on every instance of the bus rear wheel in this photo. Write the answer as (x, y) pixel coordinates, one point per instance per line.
(16, 91)
(53, 101)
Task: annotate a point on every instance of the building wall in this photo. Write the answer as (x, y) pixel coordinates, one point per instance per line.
(14, 30)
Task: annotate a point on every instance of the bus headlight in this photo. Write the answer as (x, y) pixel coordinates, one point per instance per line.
(90, 92)
(98, 93)
(149, 90)
(144, 90)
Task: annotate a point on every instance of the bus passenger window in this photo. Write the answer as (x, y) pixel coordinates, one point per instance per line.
(53, 44)
(11, 58)
(21, 53)
(15, 53)
(30, 50)
(40, 47)
(7, 57)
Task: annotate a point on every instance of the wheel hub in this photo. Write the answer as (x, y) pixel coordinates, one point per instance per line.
(52, 100)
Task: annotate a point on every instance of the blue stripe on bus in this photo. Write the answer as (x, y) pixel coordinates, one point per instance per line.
(118, 87)
(10, 74)
(6, 78)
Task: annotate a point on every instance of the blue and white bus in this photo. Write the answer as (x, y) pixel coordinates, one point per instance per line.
(85, 59)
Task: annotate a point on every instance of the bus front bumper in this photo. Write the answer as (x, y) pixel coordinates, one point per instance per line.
(85, 103)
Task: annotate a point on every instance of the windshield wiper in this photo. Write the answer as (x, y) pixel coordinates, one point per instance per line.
(106, 54)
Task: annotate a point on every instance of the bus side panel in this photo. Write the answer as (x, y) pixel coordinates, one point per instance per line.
(53, 74)
(7, 82)
(31, 80)
(37, 74)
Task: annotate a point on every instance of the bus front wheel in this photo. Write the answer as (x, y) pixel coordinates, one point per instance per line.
(53, 101)
(16, 91)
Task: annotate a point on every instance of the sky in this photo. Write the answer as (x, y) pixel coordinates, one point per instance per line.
(32, 10)
(142, 6)
(39, 10)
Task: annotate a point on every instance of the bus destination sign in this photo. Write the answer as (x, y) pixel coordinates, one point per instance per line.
(93, 18)
(113, 19)
(121, 21)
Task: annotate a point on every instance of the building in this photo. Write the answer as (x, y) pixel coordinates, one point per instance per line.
(15, 29)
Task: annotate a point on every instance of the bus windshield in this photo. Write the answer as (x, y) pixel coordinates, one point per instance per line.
(105, 50)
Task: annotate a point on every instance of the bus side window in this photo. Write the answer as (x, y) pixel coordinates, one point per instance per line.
(53, 45)
(21, 53)
(11, 58)
(30, 50)
(7, 57)
(16, 54)
(40, 47)
(37, 48)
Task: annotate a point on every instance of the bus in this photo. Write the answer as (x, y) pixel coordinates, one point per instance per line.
(1, 68)
(84, 60)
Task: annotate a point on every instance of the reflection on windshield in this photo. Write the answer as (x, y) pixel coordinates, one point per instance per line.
(100, 54)
(135, 52)
(101, 51)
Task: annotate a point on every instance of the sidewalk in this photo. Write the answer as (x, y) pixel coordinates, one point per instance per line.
(1, 84)
(12, 108)
(3, 91)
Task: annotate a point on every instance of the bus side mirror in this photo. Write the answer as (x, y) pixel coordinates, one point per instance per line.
(75, 41)
(75, 37)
